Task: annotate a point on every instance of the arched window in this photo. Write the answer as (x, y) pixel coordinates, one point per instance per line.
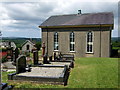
(56, 46)
(72, 43)
(89, 42)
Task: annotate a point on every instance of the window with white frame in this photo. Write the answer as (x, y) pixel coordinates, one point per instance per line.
(89, 42)
(72, 43)
(56, 41)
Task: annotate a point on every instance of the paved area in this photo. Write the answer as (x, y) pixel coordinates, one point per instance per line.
(43, 72)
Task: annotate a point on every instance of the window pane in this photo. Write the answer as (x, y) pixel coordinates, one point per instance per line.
(87, 47)
(55, 41)
(89, 42)
(73, 47)
(90, 48)
(71, 41)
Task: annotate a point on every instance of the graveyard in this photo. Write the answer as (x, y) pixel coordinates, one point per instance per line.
(87, 73)
(43, 72)
(38, 70)
(60, 71)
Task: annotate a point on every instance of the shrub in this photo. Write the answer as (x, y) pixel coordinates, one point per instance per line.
(4, 58)
(3, 49)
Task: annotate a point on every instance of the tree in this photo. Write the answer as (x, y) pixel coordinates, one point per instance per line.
(38, 45)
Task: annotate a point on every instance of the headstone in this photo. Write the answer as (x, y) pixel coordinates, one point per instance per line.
(35, 57)
(14, 61)
(43, 48)
(68, 57)
(55, 56)
(50, 58)
(9, 54)
(16, 53)
(21, 64)
(45, 61)
(60, 55)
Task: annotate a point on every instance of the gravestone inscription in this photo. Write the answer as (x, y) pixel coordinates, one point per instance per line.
(21, 64)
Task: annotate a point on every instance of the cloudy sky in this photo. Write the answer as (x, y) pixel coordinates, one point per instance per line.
(22, 18)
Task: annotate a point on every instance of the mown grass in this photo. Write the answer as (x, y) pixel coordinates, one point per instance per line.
(95, 73)
(87, 73)
(5, 76)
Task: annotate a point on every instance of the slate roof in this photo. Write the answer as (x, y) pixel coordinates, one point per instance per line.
(105, 18)
(31, 42)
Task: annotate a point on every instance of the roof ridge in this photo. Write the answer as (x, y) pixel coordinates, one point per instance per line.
(79, 19)
(82, 14)
(65, 15)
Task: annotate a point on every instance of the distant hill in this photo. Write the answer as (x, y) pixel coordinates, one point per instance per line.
(116, 39)
(20, 40)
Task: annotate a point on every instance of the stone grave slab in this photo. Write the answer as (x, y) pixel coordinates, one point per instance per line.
(59, 64)
(9, 65)
(67, 57)
(43, 74)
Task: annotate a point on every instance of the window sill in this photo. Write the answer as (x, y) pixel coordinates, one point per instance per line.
(72, 51)
(89, 53)
(56, 50)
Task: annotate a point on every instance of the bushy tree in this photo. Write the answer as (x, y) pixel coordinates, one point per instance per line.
(38, 45)
(116, 44)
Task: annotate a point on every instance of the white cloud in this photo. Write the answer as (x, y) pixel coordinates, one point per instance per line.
(23, 15)
(7, 22)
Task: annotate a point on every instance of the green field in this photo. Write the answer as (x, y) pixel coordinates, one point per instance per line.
(87, 73)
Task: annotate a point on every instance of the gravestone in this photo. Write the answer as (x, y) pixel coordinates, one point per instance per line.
(43, 48)
(68, 57)
(14, 61)
(45, 61)
(9, 53)
(35, 57)
(55, 57)
(50, 58)
(15, 55)
(21, 64)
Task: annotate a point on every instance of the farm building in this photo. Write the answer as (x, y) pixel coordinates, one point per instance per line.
(84, 35)
(28, 46)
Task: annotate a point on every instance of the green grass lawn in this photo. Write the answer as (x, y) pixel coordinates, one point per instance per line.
(87, 73)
